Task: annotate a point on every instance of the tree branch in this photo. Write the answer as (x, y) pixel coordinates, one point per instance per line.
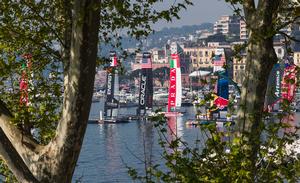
(45, 22)
(287, 23)
(288, 36)
(25, 145)
(249, 9)
(14, 161)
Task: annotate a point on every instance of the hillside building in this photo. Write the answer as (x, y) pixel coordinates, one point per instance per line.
(227, 25)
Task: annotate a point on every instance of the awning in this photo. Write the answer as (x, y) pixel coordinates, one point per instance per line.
(199, 73)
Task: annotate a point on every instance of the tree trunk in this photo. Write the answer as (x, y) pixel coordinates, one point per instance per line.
(261, 58)
(63, 151)
(56, 161)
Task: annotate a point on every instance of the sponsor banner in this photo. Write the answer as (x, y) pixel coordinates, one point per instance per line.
(288, 83)
(172, 91)
(24, 89)
(223, 88)
(149, 89)
(143, 84)
(178, 87)
(273, 93)
(146, 61)
(24, 81)
(110, 102)
(220, 99)
(221, 102)
(146, 89)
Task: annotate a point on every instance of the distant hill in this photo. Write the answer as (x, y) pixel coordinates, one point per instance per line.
(160, 38)
(182, 31)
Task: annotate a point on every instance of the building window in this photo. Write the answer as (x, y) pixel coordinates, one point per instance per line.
(236, 67)
(206, 53)
(241, 67)
(200, 54)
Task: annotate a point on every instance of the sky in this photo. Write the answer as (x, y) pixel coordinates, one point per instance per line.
(202, 11)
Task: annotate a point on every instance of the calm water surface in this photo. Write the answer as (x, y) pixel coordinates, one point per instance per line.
(108, 148)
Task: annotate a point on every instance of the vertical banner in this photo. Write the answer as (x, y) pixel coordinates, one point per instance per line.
(111, 85)
(175, 89)
(146, 83)
(288, 83)
(222, 90)
(143, 85)
(24, 82)
(172, 91)
(273, 93)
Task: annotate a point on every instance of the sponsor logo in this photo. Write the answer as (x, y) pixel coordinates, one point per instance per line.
(221, 102)
(111, 104)
(143, 89)
(278, 83)
(109, 84)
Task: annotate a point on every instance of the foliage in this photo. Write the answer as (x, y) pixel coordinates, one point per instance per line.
(42, 29)
(225, 156)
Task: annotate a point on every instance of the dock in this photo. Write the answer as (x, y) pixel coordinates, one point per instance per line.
(122, 119)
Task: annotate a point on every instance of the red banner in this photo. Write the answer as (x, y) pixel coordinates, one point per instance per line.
(24, 80)
(221, 102)
(288, 84)
(172, 91)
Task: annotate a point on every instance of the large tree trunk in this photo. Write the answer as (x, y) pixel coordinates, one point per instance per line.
(56, 161)
(261, 57)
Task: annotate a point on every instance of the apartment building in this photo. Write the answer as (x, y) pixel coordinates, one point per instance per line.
(297, 57)
(227, 25)
(200, 57)
(158, 56)
(243, 30)
(239, 66)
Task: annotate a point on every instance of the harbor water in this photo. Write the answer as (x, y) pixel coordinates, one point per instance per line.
(108, 148)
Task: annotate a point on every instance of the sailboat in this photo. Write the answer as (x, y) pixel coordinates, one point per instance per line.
(111, 105)
(146, 86)
(175, 88)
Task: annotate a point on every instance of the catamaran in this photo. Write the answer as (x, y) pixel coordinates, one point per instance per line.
(111, 105)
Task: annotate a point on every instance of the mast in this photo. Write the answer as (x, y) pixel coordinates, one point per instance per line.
(146, 85)
(112, 88)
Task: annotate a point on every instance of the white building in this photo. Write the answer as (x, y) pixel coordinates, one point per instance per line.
(227, 25)
(243, 30)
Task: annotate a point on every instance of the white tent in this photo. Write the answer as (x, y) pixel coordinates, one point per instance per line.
(199, 73)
